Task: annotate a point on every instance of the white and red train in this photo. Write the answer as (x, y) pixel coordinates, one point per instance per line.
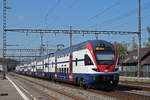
(91, 63)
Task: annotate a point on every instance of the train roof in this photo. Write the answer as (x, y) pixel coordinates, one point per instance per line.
(75, 47)
(83, 45)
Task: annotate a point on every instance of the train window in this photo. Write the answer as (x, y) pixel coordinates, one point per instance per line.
(46, 64)
(76, 61)
(63, 70)
(87, 60)
(67, 70)
(52, 64)
(59, 70)
(33, 66)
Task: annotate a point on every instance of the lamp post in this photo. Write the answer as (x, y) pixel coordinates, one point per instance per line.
(4, 38)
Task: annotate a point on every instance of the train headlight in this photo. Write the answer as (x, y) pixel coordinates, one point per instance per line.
(106, 71)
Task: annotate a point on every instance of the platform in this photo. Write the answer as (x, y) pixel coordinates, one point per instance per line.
(8, 91)
(135, 79)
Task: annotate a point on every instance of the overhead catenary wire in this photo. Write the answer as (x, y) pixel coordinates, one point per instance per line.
(114, 19)
(125, 15)
(100, 13)
(60, 17)
(57, 17)
(51, 10)
(73, 3)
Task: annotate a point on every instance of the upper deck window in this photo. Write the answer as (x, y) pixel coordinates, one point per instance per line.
(46, 64)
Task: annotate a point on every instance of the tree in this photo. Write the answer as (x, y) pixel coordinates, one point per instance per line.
(122, 50)
(148, 43)
(134, 44)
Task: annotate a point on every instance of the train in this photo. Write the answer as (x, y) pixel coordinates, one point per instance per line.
(92, 63)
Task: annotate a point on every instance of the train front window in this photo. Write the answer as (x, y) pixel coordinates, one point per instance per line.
(105, 57)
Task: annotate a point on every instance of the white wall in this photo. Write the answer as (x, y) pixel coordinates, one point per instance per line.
(0, 67)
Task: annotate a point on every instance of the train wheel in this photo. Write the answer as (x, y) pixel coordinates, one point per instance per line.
(50, 77)
(83, 84)
(77, 81)
(80, 83)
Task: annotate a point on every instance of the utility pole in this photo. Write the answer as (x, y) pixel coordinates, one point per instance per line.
(47, 48)
(139, 38)
(41, 48)
(70, 36)
(4, 40)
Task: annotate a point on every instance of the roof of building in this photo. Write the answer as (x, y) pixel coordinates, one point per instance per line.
(146, 61)
(132, 57)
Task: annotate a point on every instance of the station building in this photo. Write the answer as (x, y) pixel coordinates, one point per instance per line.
(129, 66)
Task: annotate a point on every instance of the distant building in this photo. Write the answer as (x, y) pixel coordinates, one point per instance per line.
(0, 67)
(130, 63)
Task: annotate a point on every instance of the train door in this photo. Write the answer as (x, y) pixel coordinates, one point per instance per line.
(51, 69)
(47, 68)
(36, 69)
(71, 67)
(43, 69)
(55, 68)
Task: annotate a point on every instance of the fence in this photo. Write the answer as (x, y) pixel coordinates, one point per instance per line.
(131, 71)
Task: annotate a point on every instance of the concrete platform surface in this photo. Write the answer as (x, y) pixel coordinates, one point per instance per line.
(135, 79)
(7, 91)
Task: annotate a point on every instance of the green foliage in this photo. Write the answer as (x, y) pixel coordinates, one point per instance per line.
(134, 44)
(148, 29)
(122, 50)
(148, 43)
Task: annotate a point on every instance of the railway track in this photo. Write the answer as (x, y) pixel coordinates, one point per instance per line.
(19, 82)
(33, 83)
(120, 93)
(136, 85)
(128, 92)
(44, 93)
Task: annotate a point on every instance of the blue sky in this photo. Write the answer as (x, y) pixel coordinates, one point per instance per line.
(119, 15)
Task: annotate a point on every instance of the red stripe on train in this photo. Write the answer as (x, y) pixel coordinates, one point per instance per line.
(56, 68)
(71, 67)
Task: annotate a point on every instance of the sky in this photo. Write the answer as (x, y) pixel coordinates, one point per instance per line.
(102, 15)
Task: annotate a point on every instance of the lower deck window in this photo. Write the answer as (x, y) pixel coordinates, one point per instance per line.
(63, 70)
